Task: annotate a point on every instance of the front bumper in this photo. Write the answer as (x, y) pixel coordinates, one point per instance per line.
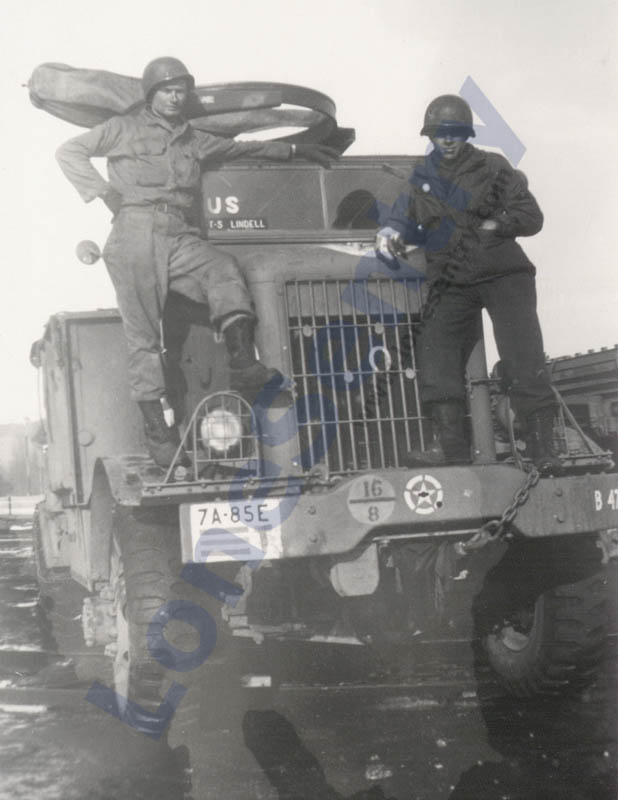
(403, 503)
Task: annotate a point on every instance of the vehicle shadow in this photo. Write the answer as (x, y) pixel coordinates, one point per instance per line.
(291, 768)
(554, 749)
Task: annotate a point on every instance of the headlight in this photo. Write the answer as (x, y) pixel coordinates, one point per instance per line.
(220, 430)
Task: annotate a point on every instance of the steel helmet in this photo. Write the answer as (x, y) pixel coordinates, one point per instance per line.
(162, 70)
(449, 112)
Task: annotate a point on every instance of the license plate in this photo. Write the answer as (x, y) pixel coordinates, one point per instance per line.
(243, 530)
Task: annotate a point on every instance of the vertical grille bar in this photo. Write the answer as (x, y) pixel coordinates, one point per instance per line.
(388, 373)
(347, 371)
(333, 378)
(373, 379)
(322, 423)
(417, 396)
(304, 392)
(359, 362)
(401, 370)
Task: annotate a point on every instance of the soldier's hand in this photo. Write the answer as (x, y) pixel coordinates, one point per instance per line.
(112, 199)
(488, 225)
(319, 153)
(389, 243)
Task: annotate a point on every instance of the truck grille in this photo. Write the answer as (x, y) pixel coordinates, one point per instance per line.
(354, 366)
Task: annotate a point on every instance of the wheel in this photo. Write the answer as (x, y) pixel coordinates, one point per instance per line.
(554, 643)
(540, 635)
(144, 571)
(168, 631)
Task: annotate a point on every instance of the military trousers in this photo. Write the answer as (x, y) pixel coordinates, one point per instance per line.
(449, 334)
(151, 251)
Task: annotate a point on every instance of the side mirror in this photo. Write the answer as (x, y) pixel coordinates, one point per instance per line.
(88, 252)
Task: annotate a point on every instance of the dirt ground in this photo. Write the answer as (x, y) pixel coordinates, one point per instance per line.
(338, 726)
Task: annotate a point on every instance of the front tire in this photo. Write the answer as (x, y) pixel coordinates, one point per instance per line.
(168, 631)
(144, 569)
(546, 637)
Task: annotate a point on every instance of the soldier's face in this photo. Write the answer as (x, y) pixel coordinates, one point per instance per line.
(168, 100)
(448, 146)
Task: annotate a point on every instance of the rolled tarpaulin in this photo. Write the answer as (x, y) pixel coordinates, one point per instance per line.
(84, 97)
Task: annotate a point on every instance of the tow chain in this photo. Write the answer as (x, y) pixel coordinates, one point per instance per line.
(496, 529)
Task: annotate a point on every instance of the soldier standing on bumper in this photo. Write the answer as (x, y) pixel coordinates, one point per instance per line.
(154, 163)
(466, 207)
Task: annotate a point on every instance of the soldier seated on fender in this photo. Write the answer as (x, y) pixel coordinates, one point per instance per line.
(154, 161)
(466, 207)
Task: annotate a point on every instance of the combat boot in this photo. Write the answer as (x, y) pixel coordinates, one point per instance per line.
(246, 371)
(162, 440)
(451, 445)
(540, 442)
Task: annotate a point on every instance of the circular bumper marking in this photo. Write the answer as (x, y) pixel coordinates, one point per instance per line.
(424, 494)
(371, 499)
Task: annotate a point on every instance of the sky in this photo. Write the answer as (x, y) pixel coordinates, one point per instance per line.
(549, 68)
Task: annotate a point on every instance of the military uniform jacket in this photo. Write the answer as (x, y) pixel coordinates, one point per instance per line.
(445, 204)
(152, 161)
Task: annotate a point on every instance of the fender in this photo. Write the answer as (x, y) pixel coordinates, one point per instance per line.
(111, 491)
